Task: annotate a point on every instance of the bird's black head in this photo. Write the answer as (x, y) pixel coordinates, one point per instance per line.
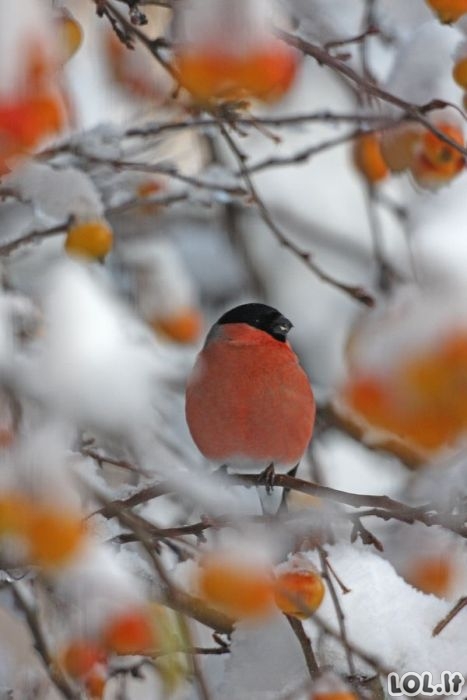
(260, 316)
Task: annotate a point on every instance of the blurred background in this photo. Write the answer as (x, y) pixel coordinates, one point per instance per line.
(146, 187)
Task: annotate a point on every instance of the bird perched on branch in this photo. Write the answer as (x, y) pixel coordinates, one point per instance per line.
(249, 404)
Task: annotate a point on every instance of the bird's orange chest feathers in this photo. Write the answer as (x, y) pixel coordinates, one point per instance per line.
(249, 398)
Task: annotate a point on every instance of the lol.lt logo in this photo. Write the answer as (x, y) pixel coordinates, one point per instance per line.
(422, 683)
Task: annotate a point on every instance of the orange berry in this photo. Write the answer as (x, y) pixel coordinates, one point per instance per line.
(90, 239)
(459, 72)
(429, 428)
(183, 327)
(437, 162)
(448, 10)
(426, 376)
(265, 74)
(80, 656)
(54, 536)
(442, 155)
(299, 592)
(269, 73)
(239, 589)
(432, 575)
(207, 75)
(454, 349)
(24, 123)
(369, 396)
(368, 158)
(130, 633)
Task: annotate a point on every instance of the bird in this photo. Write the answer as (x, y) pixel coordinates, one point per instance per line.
(249, 404)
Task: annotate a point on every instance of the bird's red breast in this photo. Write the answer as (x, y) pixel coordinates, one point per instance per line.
(249, 399)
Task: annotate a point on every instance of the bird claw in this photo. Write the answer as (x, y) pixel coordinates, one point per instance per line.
(266, 478)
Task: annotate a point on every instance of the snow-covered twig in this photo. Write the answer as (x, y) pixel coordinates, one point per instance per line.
(413, 111)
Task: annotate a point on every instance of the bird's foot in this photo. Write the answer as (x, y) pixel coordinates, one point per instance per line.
(266, 478)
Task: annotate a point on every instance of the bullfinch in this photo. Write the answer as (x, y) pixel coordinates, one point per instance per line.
(249, 403)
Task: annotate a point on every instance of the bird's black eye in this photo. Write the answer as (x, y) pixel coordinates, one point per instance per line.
(260, 316)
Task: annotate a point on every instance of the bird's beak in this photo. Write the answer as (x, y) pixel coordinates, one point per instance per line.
(282, 326)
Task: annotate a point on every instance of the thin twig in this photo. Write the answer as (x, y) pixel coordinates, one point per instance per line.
(304, 154)
(357, 293)
(33, 236)
(439, 627)
(359, 39)
(325, 572)
(306, 645)
(40, 643)
(386, 275)
(355, 649)
(159, 169)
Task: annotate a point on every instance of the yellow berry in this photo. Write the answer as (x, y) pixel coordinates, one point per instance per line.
(90, 239)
